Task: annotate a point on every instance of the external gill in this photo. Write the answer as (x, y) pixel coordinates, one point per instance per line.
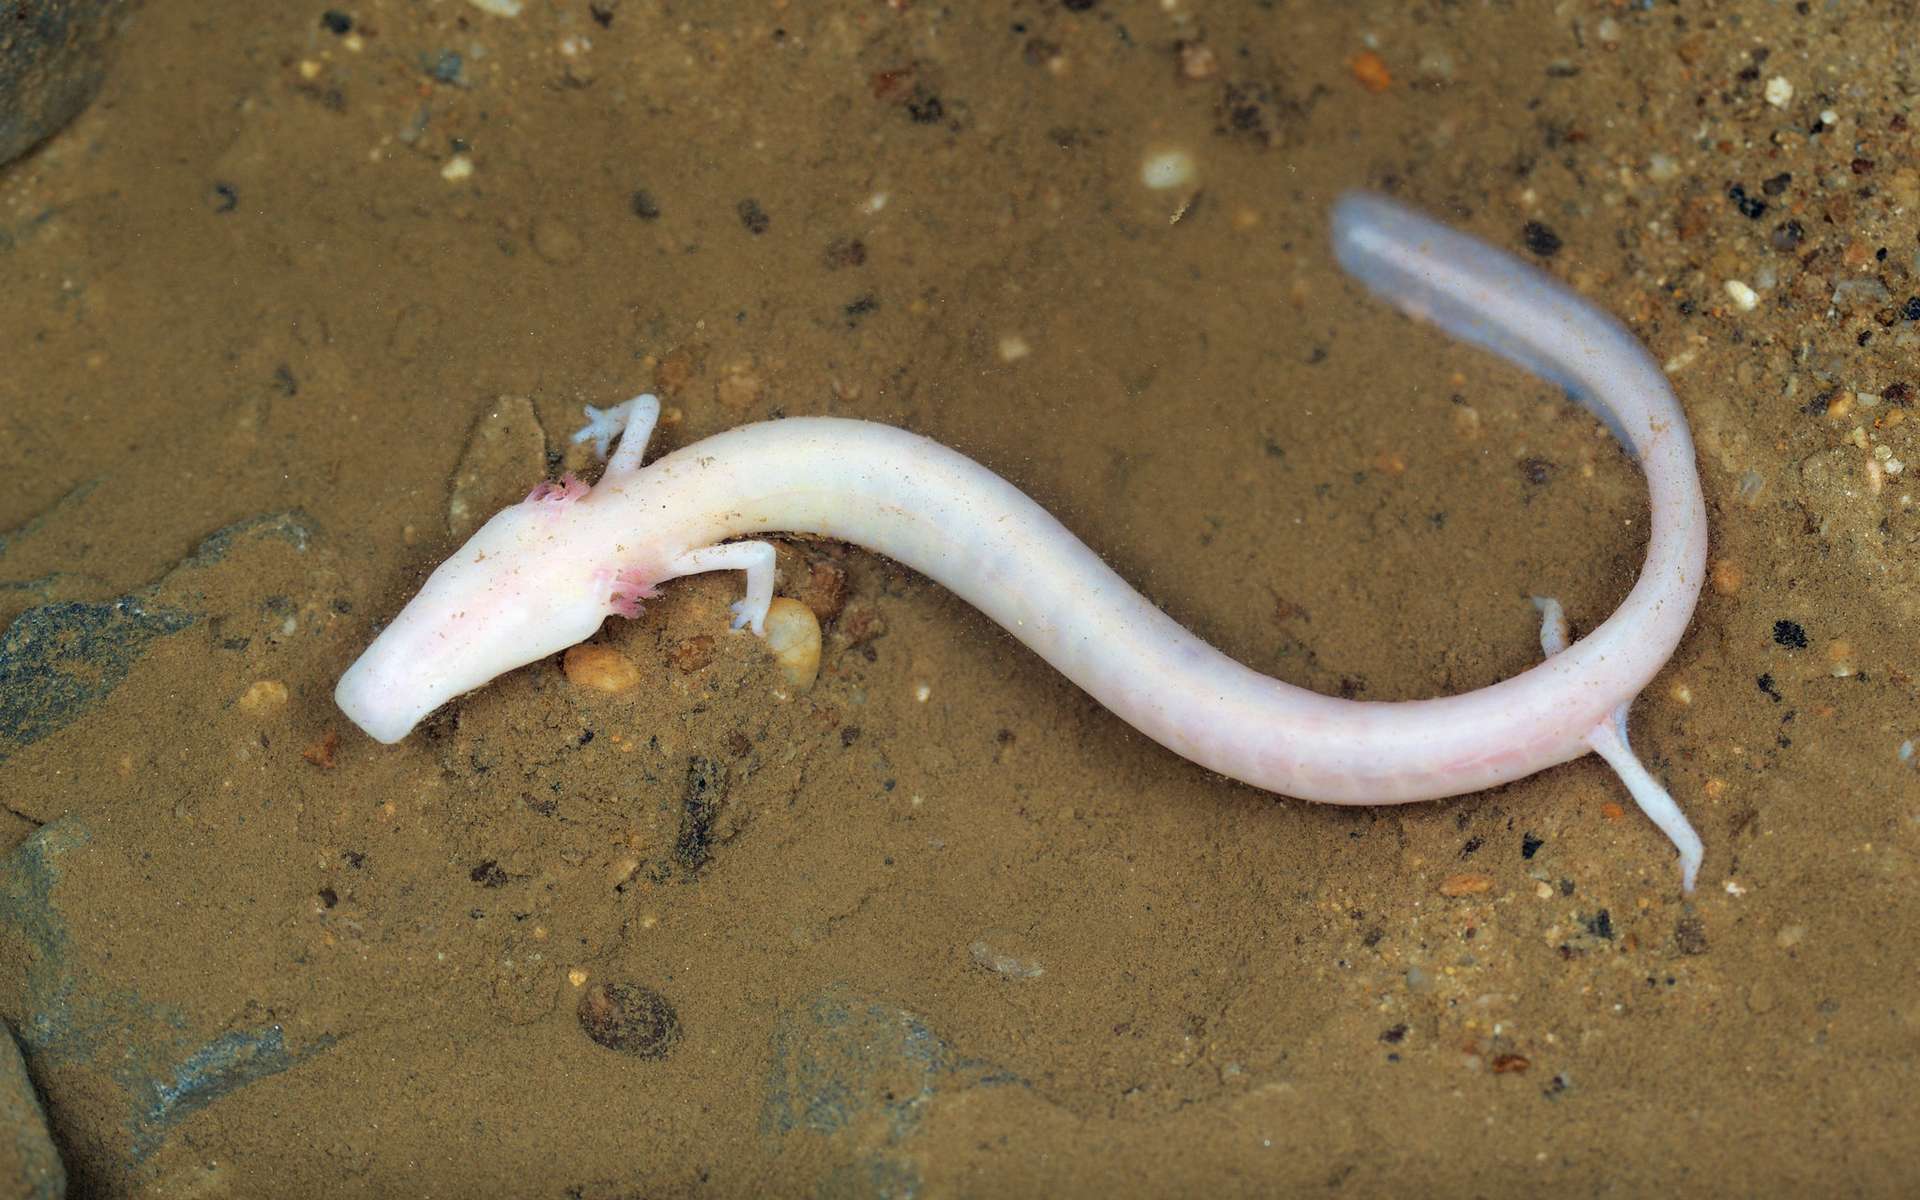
(1609, 741)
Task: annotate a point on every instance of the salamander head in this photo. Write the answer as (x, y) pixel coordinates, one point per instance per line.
(532, 581)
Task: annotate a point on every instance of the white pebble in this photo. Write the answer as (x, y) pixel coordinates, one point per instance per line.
(1013, 348)
(458, 167)
(1744, 297)
(1779, 91)
(793, 635)
(499, 8)
(1164, 169)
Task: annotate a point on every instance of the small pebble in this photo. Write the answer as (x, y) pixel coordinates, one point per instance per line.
(824, 589)
(1727, 576)
(1690, 935)
(1166, 169)
(1744, 298)
(629, 1018)
(793, 635)
(1840, 659)
(1370, 72)
(600, 668)
(740, 389)
(1198, 61)
(1779, 91)
(693, 654)
(1862, 294)
(321, 752)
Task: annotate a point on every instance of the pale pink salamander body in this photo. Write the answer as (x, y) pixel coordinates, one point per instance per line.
(545, 573)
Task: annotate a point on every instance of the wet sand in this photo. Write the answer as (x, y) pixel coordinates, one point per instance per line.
(297, 283)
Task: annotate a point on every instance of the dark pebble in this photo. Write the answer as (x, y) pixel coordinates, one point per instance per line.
(645, 206)
(1790, 634)
(629, 1018)
(1540, 239)
(1751, 207)
(925, 108)
(1530, 845)
(1690, 934)
(845, 252)
(1776, 185)
(1787, 236)
(444, 66)
(336, 22)
(753, 216)
(488, 874)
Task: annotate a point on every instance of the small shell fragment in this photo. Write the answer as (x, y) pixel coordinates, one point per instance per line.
(793, 635)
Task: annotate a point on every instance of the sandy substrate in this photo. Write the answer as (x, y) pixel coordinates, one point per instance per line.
(305, 292)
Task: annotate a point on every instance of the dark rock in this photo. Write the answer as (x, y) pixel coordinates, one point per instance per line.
(52, 60)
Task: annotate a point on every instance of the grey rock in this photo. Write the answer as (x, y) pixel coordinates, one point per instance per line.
(59, 660)
(30, 1167)
(52, 60)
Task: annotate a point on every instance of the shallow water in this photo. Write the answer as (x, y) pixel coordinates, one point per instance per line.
(283, 294)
